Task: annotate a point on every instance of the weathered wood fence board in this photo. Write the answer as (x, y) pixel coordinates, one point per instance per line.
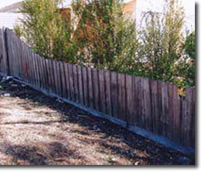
(148, 104)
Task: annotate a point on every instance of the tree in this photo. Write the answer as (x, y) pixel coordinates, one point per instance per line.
(106, 38)
(161, 42)
(190, 45)
(45, 30)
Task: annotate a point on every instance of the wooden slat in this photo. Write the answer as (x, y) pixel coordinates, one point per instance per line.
(159, 99)
(96, 89)
(90, 86)
(147, 105)
(68, 95)
(76, 85)
(137, 113)
(63, 76)
(114, 94)
(102, 83)
(123, 99)
(108, 93)
(130, 95)
(85, 86)
(42, 73)
(55, 77)
(170, 115)
(186, 117)
(154, 104)
(80, 83)
(49, 76)
(71, 80)
(193, 115)
(59, 74)
(164, 108)
(176, 114)
(46, 68)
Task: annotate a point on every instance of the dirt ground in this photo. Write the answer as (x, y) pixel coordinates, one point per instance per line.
(38, 130)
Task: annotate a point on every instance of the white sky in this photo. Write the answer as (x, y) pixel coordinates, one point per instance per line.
(145, 5)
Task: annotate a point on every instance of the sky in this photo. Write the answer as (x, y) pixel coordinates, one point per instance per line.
(145, 5)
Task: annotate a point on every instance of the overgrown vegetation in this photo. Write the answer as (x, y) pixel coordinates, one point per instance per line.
(99, 34)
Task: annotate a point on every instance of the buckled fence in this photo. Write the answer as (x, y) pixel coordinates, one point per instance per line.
(147, 107)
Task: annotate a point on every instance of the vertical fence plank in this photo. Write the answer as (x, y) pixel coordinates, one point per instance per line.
(76, 85)
(68, 96)
(193, 113)
(96, 89)
(85, 86)
(130, 95)
(186, 116)
(63, 76)
(80, 82)
(114, 94)
(159, 99)
(147, 104)
(71, 80)
(165, 108)
(137, 120)
(122, 89)
(90, 86)
(176, 114)
(102, 91)
(154, 104)
(49, 76)
(108, 93)
(169, 117)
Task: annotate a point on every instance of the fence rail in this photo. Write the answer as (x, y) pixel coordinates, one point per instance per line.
(151, 105)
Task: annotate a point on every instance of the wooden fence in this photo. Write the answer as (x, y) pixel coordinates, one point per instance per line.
(149, 107)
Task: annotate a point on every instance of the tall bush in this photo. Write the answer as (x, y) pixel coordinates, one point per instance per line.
(106, 38)
(46, 31)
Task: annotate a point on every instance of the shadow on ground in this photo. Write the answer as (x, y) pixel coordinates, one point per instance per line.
(64, 135)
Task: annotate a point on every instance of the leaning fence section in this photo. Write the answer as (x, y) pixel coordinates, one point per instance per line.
(152, 105)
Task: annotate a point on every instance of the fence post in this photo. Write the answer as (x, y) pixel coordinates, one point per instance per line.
(6, 48)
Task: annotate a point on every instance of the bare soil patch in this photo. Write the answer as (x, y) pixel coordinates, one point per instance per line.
(38, 130)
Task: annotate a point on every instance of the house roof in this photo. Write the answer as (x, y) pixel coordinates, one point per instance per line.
(11, 8)
(130, 7)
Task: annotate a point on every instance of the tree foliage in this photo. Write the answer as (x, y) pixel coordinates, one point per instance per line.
(104, 35)
(190, 45)
(101, 35)
(45, 30)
